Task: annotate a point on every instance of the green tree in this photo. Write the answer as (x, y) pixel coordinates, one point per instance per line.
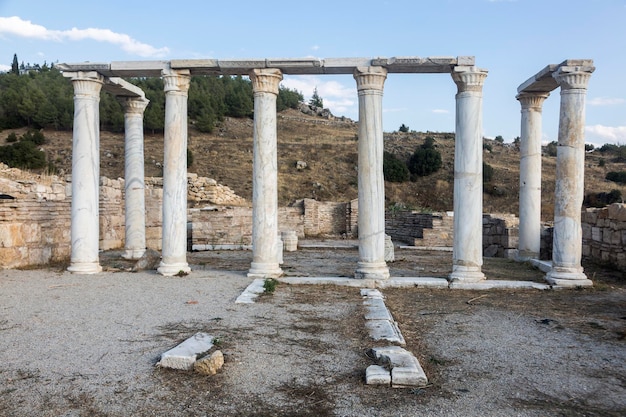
(316, 100)
(394, 170)
(288, 99)
(15, 67)
(499, 139)
(403, 128)
(426, 159)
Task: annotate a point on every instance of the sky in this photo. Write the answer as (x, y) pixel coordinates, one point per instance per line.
(512, 39)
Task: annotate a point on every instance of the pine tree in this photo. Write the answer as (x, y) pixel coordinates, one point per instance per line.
(15, 67)
(316, 100)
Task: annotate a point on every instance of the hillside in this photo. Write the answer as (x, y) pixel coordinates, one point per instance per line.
(329, 148)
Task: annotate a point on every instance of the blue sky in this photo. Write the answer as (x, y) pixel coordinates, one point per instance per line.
(512, 39)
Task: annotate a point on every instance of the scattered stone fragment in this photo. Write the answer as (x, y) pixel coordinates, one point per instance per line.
(148, 261)
(210, 364)
(185, 354)
(406, 370)
(377, 375)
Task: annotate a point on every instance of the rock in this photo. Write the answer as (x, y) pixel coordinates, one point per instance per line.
(209, 365)
(300, 165)
(148, 261)
(184, 355)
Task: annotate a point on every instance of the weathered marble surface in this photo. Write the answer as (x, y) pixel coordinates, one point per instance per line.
(371, 221)
(174, 252)
(85, 173)
(530, 176)
(265, 258)
(468, 182)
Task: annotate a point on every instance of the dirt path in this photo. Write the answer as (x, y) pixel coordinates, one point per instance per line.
(86, 345)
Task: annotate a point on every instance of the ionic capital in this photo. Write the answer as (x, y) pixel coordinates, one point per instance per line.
(86, 83)
(570, 78)
(265, 80)
(532, 101)
(134, 105)
(370, 78)
(469, 79)
(176, 81)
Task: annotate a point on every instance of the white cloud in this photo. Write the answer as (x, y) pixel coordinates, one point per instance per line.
(600, 134)
(5, 68)
(606, 101)
(440, 111)
(337, 97)
(315, 47)
(15, 26)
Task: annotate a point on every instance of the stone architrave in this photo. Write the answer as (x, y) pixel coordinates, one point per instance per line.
(134, 184)
(530, 176)
(371, 220)
(468, 182)
(265, 256)
(570, 172)
(85, 228)
(174, 245)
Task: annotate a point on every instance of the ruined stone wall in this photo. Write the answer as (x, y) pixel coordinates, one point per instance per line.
(326, 218)
(500, 235)
(604, 234)
(420, 229)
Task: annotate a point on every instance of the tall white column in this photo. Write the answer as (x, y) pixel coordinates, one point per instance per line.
(570, 173)
(371, 183)
(265, 257)
(174, 245)
(85, 228)
(134, 185)
(530, 176)
(468, 176)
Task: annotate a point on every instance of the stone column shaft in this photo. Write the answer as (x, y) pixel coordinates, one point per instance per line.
(570, 173)
(265, 258)
(134, 185)
(468, 181)
(530, 176)
(371, 183)
(174, 245)
(85, 228)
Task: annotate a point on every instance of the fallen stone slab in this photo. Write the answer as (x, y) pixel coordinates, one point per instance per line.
(185, 354)
(250, 294)
(377, 375)
(499, 284)
(406, 370)
(385, 330)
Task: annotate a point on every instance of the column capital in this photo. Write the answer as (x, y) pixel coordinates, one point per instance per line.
(266, 80)
(134, 105)
(86, 83)
(570, 78)
(532, 100)
(370, 78)
(176, 80)
(469, 78)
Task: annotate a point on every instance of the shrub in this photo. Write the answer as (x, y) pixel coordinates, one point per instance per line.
(23, 154)
(487, 173)
(12, 137)
(601, 163)
(488, 147)
(499, 139)
(425, 160)
(551, 148)
(403, 128)
(617, 176)
(602, 199)
(394, 169)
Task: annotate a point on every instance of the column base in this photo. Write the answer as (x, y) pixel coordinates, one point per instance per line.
(371, 270)
(525, 256)
(169, 270)
(84, 268)
(568, 277)
(466, 274)
(264, 270)
(133, 254)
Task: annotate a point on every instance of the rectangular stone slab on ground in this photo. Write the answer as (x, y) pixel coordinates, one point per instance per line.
(184, 355)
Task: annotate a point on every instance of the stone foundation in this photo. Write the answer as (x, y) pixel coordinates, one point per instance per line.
(604, 235)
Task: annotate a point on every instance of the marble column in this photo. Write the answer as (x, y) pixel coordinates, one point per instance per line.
(467, 256)
(174, 243)
(530, 176)
(85, 228)
(134, 185)
(570, 171)
(371, 183)
(265, 256)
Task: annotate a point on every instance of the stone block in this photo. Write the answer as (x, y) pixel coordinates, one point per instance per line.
(210, 364)
(617, 211)
(184, 355)
(596, 234)
(377, 375)
(385, 330)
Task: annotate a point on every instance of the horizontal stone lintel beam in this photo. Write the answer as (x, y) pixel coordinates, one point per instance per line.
(544, 82)
(293, 66)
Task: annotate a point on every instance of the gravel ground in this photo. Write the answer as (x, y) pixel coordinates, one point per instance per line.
(74, 345)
